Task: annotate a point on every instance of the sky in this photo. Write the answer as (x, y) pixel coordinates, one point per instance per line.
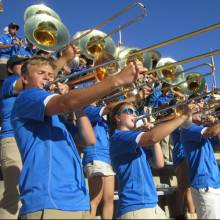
(165, 19)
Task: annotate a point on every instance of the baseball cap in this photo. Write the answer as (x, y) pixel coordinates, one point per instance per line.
(13, 25)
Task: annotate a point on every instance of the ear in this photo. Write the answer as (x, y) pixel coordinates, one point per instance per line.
(24, 79)
(10, 70)
(117, 118)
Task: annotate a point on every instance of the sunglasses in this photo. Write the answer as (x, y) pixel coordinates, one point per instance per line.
(129, 111)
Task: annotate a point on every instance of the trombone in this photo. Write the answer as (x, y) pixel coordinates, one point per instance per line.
(192, 82)
(148, 49)
(146, 115)
(44, 28)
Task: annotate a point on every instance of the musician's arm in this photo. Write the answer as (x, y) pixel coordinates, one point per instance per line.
(78, 98)
(85, 135)
(157, 160)
(4, 46)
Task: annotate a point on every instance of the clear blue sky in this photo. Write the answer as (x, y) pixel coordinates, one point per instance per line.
(166, 19)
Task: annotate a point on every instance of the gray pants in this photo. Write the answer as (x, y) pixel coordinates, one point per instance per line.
(11, 167)
(57, 214)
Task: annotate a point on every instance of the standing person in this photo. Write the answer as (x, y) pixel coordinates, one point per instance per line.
(131, 152)
(183, 193)
(97, 165)
(10, 157)
(9, 45)
(52, 183)
(203, 169)
(96, 159)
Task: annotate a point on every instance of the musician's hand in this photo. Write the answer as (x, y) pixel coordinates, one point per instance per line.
(60, 88)
(129, 74)
(212, 131)
(69, 52)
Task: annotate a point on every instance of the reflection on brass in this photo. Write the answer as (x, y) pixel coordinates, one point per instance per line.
(136, 57)
(169, 74)
(45, 34)
(194, 82)
(96, 49)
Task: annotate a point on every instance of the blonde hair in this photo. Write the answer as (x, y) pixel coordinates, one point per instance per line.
(37, 60)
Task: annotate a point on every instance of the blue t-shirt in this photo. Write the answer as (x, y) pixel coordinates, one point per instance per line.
(157, 98)
(8, 52)
(25, 52)
(136, 187)
(203, 167)
(7, 102)
(52, 175)
(99, 151)
(178, 151)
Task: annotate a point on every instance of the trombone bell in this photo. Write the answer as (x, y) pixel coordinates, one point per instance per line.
(196, 83)
(46, 32)
(94, 44)
(172, 75)
(39, 9)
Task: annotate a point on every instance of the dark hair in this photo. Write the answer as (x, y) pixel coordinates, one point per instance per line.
(115, 110)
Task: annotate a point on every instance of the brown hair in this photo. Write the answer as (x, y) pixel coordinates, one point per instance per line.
(115, 111)
(36, 61)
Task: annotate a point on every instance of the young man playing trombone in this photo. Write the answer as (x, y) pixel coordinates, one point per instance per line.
(52, 183)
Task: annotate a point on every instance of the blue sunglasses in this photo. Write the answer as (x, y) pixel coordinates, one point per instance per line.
(129, 111)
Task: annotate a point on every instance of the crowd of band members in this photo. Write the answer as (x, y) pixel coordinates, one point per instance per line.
(40, 138)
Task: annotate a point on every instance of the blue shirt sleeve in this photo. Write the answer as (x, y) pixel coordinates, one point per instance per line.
(8, 86)
(2, 38)
(192, 133)
(93, 113)
(30, 104)
(123, 142)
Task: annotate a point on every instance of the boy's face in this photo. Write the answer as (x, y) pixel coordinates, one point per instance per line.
(38, 76)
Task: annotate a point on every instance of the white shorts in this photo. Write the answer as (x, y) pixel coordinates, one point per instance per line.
(98, 168)
(207, 202)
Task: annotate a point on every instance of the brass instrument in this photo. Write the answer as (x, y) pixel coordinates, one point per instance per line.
(80, 35)
(125, 55)
(156, 46)
(191, 83)
(93, 51)
(198, 97)
(43, 27)
(172, 75)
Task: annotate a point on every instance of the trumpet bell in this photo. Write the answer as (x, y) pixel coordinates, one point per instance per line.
(94, 44)
(39, 9)
(46, 32)
(172, 75)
